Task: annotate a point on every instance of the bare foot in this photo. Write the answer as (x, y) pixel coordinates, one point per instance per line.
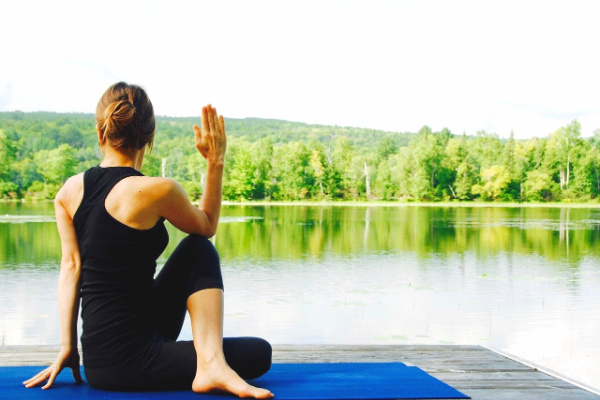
(217, 376)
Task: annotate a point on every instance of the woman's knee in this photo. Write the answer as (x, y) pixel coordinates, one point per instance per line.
(197, 241)
(203, 260)
(199, 248)
(250, 357)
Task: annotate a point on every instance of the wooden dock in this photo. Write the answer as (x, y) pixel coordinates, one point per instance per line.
(476, 371)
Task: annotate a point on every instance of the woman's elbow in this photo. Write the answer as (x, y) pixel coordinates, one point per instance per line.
(208, 232)
(70, 265)
(205, 227)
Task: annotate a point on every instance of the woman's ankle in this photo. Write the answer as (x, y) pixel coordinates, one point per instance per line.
(209, 357)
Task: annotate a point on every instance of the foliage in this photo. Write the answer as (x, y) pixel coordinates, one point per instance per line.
(538, 186)
(8, 190)
(494, 181)
(281, 160)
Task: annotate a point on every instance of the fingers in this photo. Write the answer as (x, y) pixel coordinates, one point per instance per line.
(65, 358)
(200, 137)
(205, 119)
(212, 119)
(37, 379)
(222, 123)
(197, 130)
(50, 380)
(197, 133)
(210, 140)
(33, 381)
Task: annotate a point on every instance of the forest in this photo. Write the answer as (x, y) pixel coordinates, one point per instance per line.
(289, 161)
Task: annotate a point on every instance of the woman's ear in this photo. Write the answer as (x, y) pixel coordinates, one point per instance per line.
(100, 136)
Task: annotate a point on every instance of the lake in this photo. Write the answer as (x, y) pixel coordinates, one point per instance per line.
(525, 281)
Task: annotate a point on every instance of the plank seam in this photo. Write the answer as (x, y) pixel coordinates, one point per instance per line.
(544, 370)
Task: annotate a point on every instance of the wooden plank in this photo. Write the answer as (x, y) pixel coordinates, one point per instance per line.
(474, 370)
(531, 394)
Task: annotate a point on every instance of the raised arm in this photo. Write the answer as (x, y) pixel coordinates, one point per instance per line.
(68, 298)
(211, 142)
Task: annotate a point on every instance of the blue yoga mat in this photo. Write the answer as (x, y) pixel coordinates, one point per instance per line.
(286, 381)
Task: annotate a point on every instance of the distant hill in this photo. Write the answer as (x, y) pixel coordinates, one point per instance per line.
(253, 129)
(77, 129)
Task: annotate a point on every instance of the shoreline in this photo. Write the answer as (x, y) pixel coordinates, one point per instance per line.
(375, 203)
(468, 204)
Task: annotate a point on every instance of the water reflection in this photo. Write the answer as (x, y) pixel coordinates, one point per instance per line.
(524, 280)
(565, 235)
(300, 232)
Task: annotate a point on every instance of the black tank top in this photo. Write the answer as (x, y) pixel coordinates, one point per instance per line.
(117, 272)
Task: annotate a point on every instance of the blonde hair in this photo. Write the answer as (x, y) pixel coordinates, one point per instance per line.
(125, 117)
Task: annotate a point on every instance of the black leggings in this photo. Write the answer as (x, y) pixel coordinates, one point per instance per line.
(165, 363)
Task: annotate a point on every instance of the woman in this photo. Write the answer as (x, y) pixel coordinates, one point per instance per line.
(111, 224)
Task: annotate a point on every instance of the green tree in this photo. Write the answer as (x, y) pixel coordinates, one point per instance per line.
(585, 183)
(594, 159)
(55, 165)
(263, 179)
(386, 184)
(318, 169)
(292, 171)
(87, 157)
(563, 143)
(362, 176)
(152, 165)
(423, 165)
(494, 181)
(238, 184)
(514, 160)
(343, 155)
(8, 190)
(485, 149)
(26, 173)
(249, 176)
(534, 153)
(8, 155)
(538, 186)
(333, 179)
(460, 167)
(327, 177)
(465, 180)
(386, 148)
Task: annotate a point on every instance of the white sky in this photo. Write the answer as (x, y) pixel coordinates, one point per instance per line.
(526, 66)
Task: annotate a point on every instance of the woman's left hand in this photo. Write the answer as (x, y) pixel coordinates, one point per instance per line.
(211, 140)
(65, 358)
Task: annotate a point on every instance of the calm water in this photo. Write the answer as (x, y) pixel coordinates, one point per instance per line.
(522, 280)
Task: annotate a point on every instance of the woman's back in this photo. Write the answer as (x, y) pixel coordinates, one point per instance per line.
(118, 266)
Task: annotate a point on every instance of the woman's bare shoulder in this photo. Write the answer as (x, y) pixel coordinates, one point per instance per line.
(70, 195)
(75, 181)
(154, 187)
(72, 186)
(149, 198)
(163, 194)
(149, 193)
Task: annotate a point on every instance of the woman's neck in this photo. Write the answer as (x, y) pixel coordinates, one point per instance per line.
(114, 158)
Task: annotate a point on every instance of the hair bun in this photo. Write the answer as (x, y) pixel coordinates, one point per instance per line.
(125, 116)
(117, 116)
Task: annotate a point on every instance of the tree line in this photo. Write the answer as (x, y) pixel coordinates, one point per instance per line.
(289, 161)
